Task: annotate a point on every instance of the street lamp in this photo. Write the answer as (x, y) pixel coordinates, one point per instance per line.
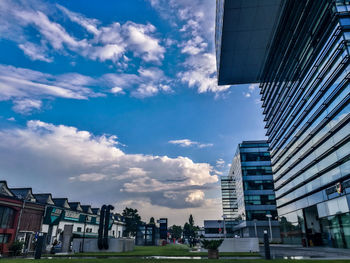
(256, 231)
(224, 217)
(269, 217)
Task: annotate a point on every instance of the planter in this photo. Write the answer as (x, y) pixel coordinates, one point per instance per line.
(213, 253)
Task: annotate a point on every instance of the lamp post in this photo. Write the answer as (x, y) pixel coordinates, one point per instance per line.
(269, 217)
(256, 231)
(224, 217)
(82, 248)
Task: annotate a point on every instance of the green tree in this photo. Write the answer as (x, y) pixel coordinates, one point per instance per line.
(151, 221)
(175, 231)
(132, 220)
(187, 230)
(191, 221)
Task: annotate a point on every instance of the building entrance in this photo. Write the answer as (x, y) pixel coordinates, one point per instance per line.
(312, 226)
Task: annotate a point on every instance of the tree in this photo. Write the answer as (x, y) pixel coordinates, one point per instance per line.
(175, 231)
(187, 230)
(191, 221)
(151, 221)
(132, 220)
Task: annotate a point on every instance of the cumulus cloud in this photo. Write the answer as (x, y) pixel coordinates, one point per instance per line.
(189, 143)
(147, 82)
(67, 159)
(197, 30)
(201, 73)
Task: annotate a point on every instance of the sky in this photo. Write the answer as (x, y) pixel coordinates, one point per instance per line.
(117, 102)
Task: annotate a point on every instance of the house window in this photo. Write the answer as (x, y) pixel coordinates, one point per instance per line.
(4, 238)
(6, 217)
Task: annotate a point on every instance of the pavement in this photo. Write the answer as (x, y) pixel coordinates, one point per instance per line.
(299, 252)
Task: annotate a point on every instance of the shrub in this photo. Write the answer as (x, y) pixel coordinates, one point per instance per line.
(16, 248)
(211, 244)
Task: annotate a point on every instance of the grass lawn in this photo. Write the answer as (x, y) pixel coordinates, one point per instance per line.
(168, 250)
(139, 260)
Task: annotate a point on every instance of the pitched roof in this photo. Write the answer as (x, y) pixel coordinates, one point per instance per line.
(44, 199)
(5, 190)
(96, 211)
(24, 193)
(75, 206)
(61, 202)
(87, 209)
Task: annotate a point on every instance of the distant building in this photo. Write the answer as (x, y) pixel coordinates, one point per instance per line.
(23, 215)
(20, 217)
(229, 198)
(251, 169)
(219, 228)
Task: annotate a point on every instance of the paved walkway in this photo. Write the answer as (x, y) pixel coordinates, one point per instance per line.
(290, 251)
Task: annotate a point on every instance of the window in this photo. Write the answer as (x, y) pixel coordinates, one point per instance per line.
(259, 199)
(78, 229)
(255, 157)
(6, 217)
(257, 170)
(258, 185)
(4, 238)
(260, 215)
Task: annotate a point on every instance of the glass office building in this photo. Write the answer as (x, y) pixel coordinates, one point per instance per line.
(251, 169)
(229, 198)
(303, 69)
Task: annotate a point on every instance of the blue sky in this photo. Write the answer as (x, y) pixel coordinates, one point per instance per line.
(118, 102)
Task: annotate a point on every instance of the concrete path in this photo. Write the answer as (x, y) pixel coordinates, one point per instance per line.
(291, 251)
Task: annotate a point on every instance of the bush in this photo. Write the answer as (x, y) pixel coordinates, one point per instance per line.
(16, 248)
(211, 244)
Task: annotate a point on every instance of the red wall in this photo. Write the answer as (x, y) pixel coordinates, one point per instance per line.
(31, 219)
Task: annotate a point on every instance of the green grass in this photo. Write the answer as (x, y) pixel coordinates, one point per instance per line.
(139, 260)
(169, 250)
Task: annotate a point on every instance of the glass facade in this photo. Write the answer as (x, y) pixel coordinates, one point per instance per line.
(229, 199)
(251, 169)
(306, 93)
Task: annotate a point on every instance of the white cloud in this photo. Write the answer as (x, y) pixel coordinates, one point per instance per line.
(144, 91)
(35, 52)
(251, 89)
(103, 43)
(246, 94)
(26, 106)
(26, 88)
(188, 143)
(220, 163)
(117, 90)
(195, 196)
(89, 24)
(92, 177)
(201, 73)
(51, 31)
(70, 159)
(196, 26)
(142, 43)
(147, 83)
